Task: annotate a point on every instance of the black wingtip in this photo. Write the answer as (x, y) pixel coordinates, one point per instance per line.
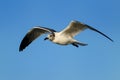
(23, 44)
(99, 32)
(21, 48)
(111, 40)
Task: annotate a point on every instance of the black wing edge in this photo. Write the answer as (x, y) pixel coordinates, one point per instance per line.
(99, 32)
(25, 42)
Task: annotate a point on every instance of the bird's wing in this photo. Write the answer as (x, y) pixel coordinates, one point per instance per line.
(33, 34)
(73, 29)
(76, 27)
(91, 28)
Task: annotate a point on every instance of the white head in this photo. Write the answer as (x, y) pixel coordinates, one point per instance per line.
(50, 37)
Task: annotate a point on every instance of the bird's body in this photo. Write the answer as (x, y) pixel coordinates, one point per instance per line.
(61, 39)
(64, 37)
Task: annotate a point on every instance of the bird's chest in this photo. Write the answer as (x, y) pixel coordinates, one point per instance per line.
(62, 40)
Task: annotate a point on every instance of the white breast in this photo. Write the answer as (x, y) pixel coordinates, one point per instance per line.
(62, 39)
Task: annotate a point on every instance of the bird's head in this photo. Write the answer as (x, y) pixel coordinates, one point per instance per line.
(50, 37)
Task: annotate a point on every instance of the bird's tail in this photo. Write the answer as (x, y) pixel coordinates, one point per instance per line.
(80, 43)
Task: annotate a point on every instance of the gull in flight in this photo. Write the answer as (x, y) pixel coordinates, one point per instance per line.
(63, 37)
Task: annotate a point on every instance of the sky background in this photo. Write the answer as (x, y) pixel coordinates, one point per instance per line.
(43, 60)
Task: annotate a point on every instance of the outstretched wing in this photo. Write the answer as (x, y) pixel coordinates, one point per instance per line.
(76, 27)
(73, 29)
(33, 34)
(98, 32)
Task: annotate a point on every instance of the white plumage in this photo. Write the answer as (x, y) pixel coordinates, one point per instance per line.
(63, 37)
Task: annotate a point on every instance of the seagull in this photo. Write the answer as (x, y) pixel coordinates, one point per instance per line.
(64, 37)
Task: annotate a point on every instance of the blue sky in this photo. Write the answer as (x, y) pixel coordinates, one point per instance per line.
(43, 60)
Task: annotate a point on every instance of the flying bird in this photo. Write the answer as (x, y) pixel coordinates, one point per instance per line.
(64, 37)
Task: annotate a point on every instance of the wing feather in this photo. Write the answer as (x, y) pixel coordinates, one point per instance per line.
(73, 28)
(32, 35)
(91, 28)
(76, 27)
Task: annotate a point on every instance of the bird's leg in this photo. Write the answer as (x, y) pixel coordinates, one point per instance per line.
(74, 44)
(82, 44)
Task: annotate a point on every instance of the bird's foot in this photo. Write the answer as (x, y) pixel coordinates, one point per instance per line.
(74, 44)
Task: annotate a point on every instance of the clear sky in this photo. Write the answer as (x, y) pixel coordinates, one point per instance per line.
(43, 60)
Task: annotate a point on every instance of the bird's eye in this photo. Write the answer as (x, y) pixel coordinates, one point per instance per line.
(50, 35)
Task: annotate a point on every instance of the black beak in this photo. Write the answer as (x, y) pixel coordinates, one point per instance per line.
(46, 38)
